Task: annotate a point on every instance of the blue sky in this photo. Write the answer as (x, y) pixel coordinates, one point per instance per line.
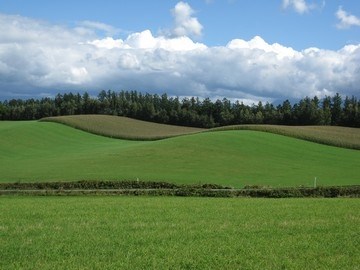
(223, 20)
(207, 48)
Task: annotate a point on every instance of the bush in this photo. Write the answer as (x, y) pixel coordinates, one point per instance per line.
(138, 188)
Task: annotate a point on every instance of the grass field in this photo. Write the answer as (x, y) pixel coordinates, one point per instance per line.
(178, 233)
(42, 151)
(330, 135)
(127, 128)
(122, 127)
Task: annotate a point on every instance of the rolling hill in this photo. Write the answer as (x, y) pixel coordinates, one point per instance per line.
(122, 127)
(131, 129)
(43, 151)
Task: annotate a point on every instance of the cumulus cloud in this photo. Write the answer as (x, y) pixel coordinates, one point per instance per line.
(37, 57)
(145, 40)
(185, 23)
(257, 43)
(300, 6)
(346, 20)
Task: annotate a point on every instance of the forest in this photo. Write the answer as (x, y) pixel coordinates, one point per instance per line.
(193, 111)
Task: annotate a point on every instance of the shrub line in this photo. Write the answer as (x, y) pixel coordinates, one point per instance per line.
(143, 188)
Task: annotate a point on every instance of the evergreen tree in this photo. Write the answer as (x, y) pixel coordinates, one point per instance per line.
(336, 110)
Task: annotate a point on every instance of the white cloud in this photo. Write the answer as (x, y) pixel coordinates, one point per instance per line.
(145, 40)
(346, 20)
(185, 23)
(300, 6)
(107, 43)
(37, 57)
(98, 26)
(257, 43)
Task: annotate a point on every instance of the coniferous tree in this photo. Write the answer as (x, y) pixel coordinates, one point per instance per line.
(336, 109)
(188, 111)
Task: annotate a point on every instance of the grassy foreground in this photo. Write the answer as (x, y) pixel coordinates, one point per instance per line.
(41, 151)
(178, 233)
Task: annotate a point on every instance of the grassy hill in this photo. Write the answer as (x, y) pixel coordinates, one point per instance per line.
(122, 127)
(330, 135)
(43, 151)
(126, 128)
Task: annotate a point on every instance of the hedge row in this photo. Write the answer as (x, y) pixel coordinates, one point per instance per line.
(165, 189)
(325, 192)
(103, 185)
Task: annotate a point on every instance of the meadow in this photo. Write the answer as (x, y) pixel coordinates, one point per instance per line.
(178, 233)
(43, 151)
(122, 127)
(132, 129)
(130, 232)
(345, 137)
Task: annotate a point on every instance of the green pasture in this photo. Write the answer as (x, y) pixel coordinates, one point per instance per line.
(122, 127)
(132, 129)
(42, 151)
(178, 233)
(345, 137)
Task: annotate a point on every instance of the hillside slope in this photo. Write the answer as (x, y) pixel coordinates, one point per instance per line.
(42, 151)
(329, 135)
(122, 127)
(131, 129)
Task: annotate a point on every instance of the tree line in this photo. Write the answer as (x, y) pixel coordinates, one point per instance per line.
(206, 113)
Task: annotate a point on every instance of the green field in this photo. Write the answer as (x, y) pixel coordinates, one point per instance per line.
(127, 128)
(178, 233)
(122, 127)
(330, 135)
(42, 151)
(120, 232)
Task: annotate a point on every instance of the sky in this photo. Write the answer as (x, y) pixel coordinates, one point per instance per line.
(246, 50)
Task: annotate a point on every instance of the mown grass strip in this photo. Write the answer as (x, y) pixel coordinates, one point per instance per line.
(121, 232)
